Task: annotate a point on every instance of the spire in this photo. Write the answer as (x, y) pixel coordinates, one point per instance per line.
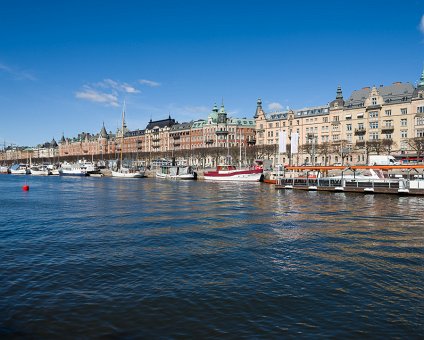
(258, 108)
(103, 133)
(339, 93)
(421, 82)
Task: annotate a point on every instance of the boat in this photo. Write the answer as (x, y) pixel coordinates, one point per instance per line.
(39, 170)
(4, 169)
(124, 172)
(19, 169)
(72, 169)
(121, 171)
(231, 173)
(176, 172)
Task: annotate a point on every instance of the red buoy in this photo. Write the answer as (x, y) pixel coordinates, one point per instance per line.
(25, 187)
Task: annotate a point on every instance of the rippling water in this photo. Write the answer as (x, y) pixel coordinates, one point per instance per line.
(94, 257)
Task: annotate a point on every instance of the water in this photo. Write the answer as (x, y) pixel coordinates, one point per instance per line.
(146, 258)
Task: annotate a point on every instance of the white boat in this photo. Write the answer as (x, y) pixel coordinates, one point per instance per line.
(19, 169)
(176, 172)
(39, 170)
(4, 170)
(231, 173)
(127, 173)
(121, 171)
(72, 169)
(53, 170)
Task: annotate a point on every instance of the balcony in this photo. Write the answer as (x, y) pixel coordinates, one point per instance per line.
(387, 129)
(419, 114)
(155, 139)
(335, 122)
(209, 141)
(222, 133)
(360, 131)
(360, 144)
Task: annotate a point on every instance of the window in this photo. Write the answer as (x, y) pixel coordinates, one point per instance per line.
(335, 118)
(403, 122)
(387, 123)
(349, 137)
(360, 126)
(420, 109)
(373, 125)
(349, 127)
(420, 121)
(373, 135)
(404, 111)
(360, 115)
(325, 119)
(388, 112)
(374, 101)
(373, 114)
(270, 125)
(420, 133)
(404, 133)
(348, 117)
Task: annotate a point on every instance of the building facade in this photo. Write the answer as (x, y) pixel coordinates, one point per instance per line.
(373, 120)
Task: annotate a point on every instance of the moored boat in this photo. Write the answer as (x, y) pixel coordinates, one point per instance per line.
(231, 173)
(127, 173)
(19, 169)
(72, 169)
(176, 172)
(39, 170)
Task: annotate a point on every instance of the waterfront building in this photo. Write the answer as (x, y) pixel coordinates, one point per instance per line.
(373, 120)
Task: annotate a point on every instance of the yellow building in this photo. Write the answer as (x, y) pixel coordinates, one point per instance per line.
(373, 120)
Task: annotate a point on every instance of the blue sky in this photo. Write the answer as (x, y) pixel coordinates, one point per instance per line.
(66, 66)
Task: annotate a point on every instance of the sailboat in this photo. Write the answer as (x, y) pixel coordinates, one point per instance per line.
(122, 171)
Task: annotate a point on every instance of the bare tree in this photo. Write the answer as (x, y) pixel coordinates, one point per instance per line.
(324, 149)
(417, 144)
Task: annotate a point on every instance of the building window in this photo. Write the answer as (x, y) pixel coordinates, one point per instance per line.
(270, 125)
(420, 133)
(349, 127)
(388, 136)
(388, 112)
(374, 101)
(374, 114)
(349, 137)
(325, 119)
(360, 115)
(420, 121)
(404, 133)
(373, 135)
(403, 122)
(373, 125)
(404, 111)
(420, 109)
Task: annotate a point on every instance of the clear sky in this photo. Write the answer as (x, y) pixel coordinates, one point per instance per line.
(66, 66)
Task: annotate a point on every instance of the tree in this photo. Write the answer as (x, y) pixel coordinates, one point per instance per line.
(417, 144)
(324, 149)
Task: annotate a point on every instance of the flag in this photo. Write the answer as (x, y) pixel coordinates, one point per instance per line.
(294, 142)
(282, 142)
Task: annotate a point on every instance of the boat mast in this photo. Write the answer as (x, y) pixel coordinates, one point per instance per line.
(122, 131)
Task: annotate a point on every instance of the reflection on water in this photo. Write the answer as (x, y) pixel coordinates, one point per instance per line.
(154, 258)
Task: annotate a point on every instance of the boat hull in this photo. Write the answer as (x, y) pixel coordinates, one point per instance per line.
(120, 174)
(234, 176)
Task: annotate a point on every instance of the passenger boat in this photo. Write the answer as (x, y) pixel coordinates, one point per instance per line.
(359, 178)
(231, 173)
(19, 169)
(39, 170)
(176, 172)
